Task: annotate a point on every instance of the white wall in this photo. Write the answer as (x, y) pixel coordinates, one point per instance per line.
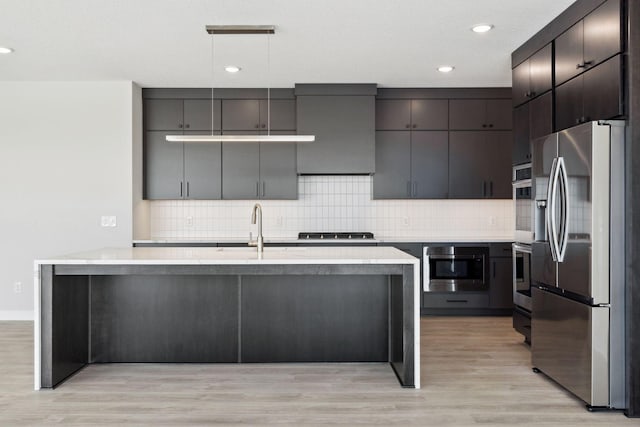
(65, 160)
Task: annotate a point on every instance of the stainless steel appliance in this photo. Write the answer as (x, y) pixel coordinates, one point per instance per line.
(577, 261)
(522, 275)
(523, 205)
(455, 268)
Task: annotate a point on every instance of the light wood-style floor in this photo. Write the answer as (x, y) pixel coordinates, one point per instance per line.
(475, 371)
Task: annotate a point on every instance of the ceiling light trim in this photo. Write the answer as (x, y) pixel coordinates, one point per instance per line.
(240, 138)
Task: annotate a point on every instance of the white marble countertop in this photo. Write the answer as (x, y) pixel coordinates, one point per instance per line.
(228, 240)
(235, 256)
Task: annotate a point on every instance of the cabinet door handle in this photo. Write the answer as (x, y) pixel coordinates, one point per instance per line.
(484, 125)
(257, 126)
(263, 126)
(180, 188)
(187, 126)
(484, 188)
(415, 188)
(491, 188)
(187, 188)
(408, 126)
(257, 188)
(264, 186)
(414, 126)
(457, 300)
(490, 125)
(180, 125)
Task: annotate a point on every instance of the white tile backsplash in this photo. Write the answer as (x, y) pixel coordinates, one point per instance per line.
(333, 203)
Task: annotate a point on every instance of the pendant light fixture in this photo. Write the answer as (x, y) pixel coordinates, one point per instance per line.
(241, 29)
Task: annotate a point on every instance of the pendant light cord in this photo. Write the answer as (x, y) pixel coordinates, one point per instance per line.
(212, 82)
(268, 84)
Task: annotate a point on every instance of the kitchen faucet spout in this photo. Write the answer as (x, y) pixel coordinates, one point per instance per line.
(256, 216)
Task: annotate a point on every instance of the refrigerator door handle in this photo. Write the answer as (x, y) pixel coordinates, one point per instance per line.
(550, 217)
(426, 272)
(564, 190)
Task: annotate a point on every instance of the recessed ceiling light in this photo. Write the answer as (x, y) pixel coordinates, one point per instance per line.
(5, 50)
(445, 69)
(482, 28)
(232, 69)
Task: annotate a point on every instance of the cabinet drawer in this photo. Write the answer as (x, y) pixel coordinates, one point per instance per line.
(522, 323)
(456, 300)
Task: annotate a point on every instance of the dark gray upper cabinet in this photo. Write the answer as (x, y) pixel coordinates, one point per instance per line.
(163, 114)
(594, 95)
(180, 114)
(202, 169)
(241, 114)
(590, 41)
(392, 179)
(279, 114)
(531, 120)
(174, 170)
(480, 164)
(241, 170)
(259, 170)
(430, 164)
(258, 114)
(416, 114)
(342, 118)
(411, 165)
(480, 114)
(163, 167)
(278, 171)
(533, 77)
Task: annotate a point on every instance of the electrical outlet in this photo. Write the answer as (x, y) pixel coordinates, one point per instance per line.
(189, 221)
(492, 220)
(17, 288)
(108, 221)
(405, 221)
(279, 221)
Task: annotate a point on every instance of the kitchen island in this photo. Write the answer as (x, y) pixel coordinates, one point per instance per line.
(227, 305)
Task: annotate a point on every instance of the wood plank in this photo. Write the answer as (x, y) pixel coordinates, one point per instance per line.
(476, 371)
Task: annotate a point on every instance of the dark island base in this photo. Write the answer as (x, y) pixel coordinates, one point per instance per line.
(224, 314)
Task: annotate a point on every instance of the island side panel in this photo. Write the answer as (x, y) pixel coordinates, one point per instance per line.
(164, 318)
(315, 318)
(402, 324)
(64, 320)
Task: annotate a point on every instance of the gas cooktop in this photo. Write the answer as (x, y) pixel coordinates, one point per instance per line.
(339, 236)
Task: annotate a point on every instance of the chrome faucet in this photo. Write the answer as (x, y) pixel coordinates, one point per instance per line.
(259, 242)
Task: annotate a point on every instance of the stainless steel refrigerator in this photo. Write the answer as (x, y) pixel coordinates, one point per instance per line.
(577, 261)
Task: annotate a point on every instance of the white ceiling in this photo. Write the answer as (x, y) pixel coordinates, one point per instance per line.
(163, 43)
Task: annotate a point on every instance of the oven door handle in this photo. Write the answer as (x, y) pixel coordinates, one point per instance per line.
(521, 248)
(457, 256)
(426, 269)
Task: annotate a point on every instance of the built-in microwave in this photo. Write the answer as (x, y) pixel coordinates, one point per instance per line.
(523, 203)
(455, 268)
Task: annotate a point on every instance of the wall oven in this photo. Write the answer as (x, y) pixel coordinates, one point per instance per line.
(455, 268)
(523, 203)
(522, 275)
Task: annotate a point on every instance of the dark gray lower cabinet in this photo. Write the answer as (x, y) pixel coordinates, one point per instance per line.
(501, 283)
(411, 164)
(314, 318)
(480, 164)
(162, 318)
